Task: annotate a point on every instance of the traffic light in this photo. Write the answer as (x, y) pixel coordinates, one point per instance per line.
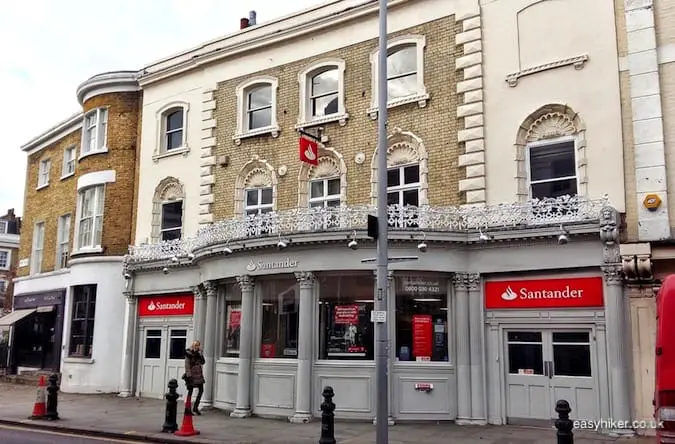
(372, 226)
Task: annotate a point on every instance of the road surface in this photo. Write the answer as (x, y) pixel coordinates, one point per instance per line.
(16, 435)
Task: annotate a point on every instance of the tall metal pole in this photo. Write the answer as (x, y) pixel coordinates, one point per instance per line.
(381, 332)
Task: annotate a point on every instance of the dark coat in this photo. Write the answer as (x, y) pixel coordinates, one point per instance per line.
(194, 361)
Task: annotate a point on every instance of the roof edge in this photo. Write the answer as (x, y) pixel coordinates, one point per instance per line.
(54, 133)
(107, 82)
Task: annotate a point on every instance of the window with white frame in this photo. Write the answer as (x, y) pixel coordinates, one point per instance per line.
(4, 226)
(172, 220)
(258, 201)
(3, 285)
(552, 169)
(324, 193)
(94, 131)
(405, 72)
(5, 259)
(173, 129)
(62, 241)
(38, 248)
(90, 217)
(68, 162)
(43, 172)
(403, 189)
(322, 93)
(257, 107)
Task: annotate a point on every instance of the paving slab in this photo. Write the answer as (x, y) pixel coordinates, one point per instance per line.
(115, 417)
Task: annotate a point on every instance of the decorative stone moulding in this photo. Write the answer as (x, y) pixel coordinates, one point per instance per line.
(359, 158)
(421, 100)
(520, 215)
(578, 62)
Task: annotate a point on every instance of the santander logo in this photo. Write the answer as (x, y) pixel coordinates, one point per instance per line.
(509, 294)
(152, 306)
(309, 154)
(545, 293)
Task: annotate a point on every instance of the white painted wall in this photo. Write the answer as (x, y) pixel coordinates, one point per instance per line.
(42, 282)
(545, 32)
(101, 373)
(188, 87)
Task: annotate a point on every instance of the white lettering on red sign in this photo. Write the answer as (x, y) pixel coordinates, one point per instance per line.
(152, 306)
(524, 293)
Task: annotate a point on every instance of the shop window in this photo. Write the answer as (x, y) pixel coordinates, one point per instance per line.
(552, 170)
(421, 318)
(153, 344)
(82, 324)
(525, 352)
(280, 305)
(177, 343)
(232, 328)
(345, 330)
(571, 354)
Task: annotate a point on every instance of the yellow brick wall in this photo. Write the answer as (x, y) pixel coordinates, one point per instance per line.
(436, 124)
(60, 197)
(664, 13)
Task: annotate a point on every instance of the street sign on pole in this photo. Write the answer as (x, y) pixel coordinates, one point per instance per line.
(381, 332)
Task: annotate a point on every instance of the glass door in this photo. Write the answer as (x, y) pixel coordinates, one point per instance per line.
(152, 363)
(527, 382)
(175, 365)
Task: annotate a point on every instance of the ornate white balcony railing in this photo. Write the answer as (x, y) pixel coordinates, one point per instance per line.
(562, 210)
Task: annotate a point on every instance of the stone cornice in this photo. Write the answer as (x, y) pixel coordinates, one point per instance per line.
(106, 83)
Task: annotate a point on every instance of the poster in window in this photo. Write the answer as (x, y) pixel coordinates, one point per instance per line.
(347, 314)
(347, 336)
(422, 337)
(233, 328)
(268, 351)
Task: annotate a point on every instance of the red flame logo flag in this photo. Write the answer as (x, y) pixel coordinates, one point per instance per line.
(309, 151)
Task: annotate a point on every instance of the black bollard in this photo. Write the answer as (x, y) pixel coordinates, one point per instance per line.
(327, 417)
(563, 423)
(52, 398)
(170, 424)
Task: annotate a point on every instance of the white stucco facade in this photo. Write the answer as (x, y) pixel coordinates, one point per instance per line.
(553, 53)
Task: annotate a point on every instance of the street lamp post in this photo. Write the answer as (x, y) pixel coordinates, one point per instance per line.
(381, 332)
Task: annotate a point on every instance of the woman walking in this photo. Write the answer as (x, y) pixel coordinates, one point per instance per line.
(194, 375)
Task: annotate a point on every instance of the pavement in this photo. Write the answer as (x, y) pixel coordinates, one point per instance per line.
(18, 435)
(132, 419)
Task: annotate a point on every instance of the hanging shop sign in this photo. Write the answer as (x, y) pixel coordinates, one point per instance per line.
(545, 293)
(166, 305)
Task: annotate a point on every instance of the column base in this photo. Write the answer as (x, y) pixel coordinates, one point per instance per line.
(206, 405)
(240, 413)
(478, 422)
(463, 421)
(390, 421)
(125, 394)
(301, 418)
(620, 433)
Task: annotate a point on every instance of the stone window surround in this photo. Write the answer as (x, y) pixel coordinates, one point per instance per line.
(9, 258)
(549, 124)
(421, 96)
(160, 151)
(256, 173)
(544, 143)
(242, 126)
(64, 173)
(84, 182)
(404, 148)
(102, 149)
(305, 118)
(331, 164)
(169, 189)
(43, 170)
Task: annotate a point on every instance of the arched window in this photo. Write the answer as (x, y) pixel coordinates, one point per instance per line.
(322, 95)
(172, 127)
(167, 210)
(255, 193)
(257, 108)
(550, 153)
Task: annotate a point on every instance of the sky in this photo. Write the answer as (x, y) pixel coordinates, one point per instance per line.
(49, 47)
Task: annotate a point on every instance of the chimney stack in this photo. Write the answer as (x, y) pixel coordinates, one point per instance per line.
(251, 18)
(243, 23)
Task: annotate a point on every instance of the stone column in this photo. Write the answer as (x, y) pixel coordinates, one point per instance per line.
(210, 330)
(199, 313)
(617, 363)
(476, 349)
(243, 408)
(463, 347)
(126, 385)
(303, 386)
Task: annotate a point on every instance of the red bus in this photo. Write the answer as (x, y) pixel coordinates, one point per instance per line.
(664, 396)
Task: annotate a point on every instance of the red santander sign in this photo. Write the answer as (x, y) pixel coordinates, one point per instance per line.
(166, 305)
(545, 293)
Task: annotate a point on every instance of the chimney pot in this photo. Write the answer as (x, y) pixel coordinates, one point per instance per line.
(243, 23)
(252, 15)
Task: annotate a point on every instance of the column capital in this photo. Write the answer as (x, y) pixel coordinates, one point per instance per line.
(246, 282)
(129, 295)
(612, 274)
(211, 288)
(472, 281)
(459, 281)
(305, 278)
(197, 291)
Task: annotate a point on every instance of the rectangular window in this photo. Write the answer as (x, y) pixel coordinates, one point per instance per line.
(3, 286)
(552, 170)
(232, 321)
(43, 175)
(325, 193)
(525, 351)
(402, 72)
(172, 220)
(279, 338)
(62, 241)
(90, 223)
(403, 189)
(68, 161)
(3, 226)
(94, 131)
(153, 344)
(4, 259)
(258, 201)
(421, 318)
(38, 248)
(82, 324)
(259, 107)
(177, 343)
(345, 330)
(173, 129)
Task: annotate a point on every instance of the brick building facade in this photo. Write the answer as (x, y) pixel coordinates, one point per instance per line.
(10, 230)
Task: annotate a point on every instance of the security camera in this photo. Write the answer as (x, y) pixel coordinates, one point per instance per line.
(563, 239)
(190, 256)
(174, 259)
(281, 245)
(165, 270)
(482, 237)
(353, 244)
(227, 250)
(127, 276)
(422, 246)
